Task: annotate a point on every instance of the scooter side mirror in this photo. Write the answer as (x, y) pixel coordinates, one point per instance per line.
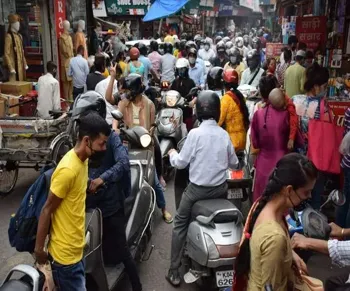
(337, 197)
(117, 115)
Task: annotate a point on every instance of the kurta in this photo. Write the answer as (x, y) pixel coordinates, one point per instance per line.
(66, 53)
(9, 57)
(269, 133)
(79, 39)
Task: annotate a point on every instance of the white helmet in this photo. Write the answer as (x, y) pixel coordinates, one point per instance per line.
(239, 41)
(182, 63)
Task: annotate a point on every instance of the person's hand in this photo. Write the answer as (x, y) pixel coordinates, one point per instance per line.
(41, 256)
(171, 151)
(299, 263)
(13, 72)
(290, 145)
(299, 241)
(113, 70)
(191, 104)
(27, 68)
(336, 230)
(95, 184)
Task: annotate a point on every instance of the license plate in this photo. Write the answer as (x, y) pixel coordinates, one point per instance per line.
(224, 278)
(235, 194)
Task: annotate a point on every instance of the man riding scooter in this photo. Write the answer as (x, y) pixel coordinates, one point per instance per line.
(207, 175)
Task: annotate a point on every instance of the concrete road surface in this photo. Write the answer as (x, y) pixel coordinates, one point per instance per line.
(152, 272)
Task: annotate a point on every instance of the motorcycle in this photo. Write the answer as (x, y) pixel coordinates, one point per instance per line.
(170, 125)
(139, 208)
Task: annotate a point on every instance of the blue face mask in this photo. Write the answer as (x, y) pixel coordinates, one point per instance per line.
(321, 94)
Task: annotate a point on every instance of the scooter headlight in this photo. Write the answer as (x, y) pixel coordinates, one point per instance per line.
(212, 250)
(145, 140)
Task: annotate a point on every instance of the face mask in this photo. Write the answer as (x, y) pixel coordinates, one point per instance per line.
(96, 157)
(192, 60)
(206, 47)
(201, 46)
(302, 205)
(233, 60)
(321, 94)
(182, 74)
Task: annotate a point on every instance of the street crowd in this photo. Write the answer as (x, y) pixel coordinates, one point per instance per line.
(290, 91)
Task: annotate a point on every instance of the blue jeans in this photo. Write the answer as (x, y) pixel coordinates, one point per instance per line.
(69, 277)
(159, 192)
(343, 212)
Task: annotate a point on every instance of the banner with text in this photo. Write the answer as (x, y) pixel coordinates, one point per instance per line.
(274, 50)
(127, 7)
(225, 7)
(311, 30)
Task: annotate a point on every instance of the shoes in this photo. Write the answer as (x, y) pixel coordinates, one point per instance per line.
(167, 217)
(173, 277)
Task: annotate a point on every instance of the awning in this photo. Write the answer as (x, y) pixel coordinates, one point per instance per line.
(164, 8)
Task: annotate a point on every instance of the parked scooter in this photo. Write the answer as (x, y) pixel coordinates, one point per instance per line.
(170, 125)
(139, 209)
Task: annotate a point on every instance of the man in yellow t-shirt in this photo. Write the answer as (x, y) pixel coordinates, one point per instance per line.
(169, 38)
(63, 215)
(235, 62)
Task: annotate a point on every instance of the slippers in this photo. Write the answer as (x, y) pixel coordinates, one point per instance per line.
(167, 217)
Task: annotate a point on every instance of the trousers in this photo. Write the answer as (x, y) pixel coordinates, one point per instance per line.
(192, 194)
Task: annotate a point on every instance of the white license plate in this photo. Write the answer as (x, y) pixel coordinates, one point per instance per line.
(224, 278)
(235, 194)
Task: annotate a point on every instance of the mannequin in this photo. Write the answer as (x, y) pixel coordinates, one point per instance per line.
(14, 54)
(66, 53)
(79, 38)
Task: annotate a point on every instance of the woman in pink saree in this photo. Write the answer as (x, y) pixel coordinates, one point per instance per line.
(269, 134)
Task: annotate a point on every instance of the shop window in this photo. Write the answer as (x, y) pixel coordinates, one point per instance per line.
(75, 11)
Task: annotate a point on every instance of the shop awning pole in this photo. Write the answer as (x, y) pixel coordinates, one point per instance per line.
(160, 26)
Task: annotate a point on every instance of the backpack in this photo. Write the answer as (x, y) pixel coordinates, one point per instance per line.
(24, 224)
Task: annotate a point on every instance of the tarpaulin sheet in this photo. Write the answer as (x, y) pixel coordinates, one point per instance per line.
(164, 8)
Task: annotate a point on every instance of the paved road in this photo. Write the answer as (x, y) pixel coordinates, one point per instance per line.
(152, 272)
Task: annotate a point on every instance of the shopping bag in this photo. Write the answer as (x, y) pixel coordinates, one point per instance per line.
(307, 283)
(324, 138)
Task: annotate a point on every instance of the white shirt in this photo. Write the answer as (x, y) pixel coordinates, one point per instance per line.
(101, 88)
(206, 55)
(48, 95)
(247, 75)
(208, 160)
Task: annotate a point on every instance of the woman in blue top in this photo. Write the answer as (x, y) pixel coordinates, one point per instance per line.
(308, 107)
(135, 66)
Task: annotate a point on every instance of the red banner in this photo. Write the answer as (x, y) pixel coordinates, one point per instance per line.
(274, 50)
(312, 30)
(60, 16)
(339, 108)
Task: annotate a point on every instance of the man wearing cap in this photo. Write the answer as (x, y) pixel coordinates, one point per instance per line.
(13, 54)
(294, 78)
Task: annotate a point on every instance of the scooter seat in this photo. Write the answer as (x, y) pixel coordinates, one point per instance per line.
(16, 285)
(208, 207)
(135, 188)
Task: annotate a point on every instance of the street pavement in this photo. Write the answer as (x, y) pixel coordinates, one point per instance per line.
(152, 272)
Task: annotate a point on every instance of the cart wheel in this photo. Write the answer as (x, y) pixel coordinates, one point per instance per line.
(61, 148)
(8, 177)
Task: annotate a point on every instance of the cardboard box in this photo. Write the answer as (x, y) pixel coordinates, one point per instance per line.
(2, 108)
(16, 88)
(8, 101)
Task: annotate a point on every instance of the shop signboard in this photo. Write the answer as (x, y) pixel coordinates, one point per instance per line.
(274, 50)
(339, 109)
(247, 3)
(311, 30)
(225, 7)
(99, 8)
(127, 7)
(206, 3)
(60, 16)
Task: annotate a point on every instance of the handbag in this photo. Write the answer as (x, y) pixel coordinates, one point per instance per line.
(307, 283)
(324, 138)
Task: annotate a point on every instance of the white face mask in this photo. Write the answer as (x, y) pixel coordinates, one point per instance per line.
(15, 26)
(206, 47)
(192, 60)
(201, 46)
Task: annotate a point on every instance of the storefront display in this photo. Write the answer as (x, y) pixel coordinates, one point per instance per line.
(80, 39)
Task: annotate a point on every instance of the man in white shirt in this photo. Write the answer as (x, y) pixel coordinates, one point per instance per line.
(206, 54)
(252, 75)
(101, 88)
(48, 92)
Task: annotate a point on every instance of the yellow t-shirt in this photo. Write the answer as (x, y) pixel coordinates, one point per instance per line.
(105, 73)
(176, 53)
(122, 66)
(67, 233)
(169, 38)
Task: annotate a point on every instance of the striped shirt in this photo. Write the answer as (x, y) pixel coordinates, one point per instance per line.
(339, 252)
(346, 159)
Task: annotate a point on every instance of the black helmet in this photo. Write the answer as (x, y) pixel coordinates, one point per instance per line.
(190, 44)
(184, 36)
(142, 49)
(168, 48)
(154, 46)
(208, 105)
(256, 43)
(218, 38)
(235, 56)
(214, 78)
(228, 45)
(220, 47)
(253, 59)
(89, 101)
(133, 82)
(192, 51)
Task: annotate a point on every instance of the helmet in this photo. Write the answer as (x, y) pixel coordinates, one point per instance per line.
(88, 101)
(226, 39)
(142, 49)
(230, 76)
(133, 83)
(214, 78)
(182, 63)
(197, 37)
(190, 44)
(220, 47)
(256, 43)
(208, 105)
(184, 36)
(253, 59)
(192, 51)
(154, 45)
(168, 48)
(218, 38)
(239, 42)
(134, 53)
(235, 56)
(246, 39)
(229, 45)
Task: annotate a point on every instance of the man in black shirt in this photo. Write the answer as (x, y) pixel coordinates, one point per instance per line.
(96, 76)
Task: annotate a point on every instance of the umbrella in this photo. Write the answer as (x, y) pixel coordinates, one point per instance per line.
(164, 8)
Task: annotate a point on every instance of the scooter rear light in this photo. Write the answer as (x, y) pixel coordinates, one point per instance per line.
(228, 251)
(213, 252)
